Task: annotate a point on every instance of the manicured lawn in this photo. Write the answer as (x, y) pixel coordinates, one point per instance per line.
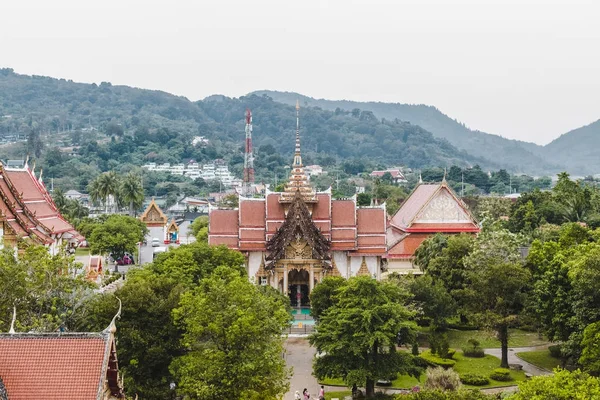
(481, 366)
(540, 358)
(337, 395)
(484, 366)
(517, 338)
(82, 251)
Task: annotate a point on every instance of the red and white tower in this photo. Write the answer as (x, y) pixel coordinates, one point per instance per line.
(248, 158)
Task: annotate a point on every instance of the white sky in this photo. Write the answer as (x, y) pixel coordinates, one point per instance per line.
(527, 69)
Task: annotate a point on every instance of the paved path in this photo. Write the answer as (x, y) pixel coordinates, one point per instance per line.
(299, 355)
(513, 359)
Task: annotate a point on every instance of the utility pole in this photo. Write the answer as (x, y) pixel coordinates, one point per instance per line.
(462, 190)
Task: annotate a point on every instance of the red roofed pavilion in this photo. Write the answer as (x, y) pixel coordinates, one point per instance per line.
(293, 239)
(430, 209)
(59, 366)
(27, 211)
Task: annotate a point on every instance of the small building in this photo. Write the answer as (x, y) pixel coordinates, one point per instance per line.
(430, 209)
(313, 170)
(60, 366)
(397, 176)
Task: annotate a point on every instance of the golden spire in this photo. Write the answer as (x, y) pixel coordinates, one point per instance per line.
(298, 179)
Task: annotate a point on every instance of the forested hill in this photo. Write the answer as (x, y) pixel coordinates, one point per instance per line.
(145, 126)
(511, 154)
(578, 149)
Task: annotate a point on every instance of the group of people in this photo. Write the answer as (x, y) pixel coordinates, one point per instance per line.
(306, 394)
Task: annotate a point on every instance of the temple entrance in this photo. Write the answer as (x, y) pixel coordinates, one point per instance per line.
(298, 287)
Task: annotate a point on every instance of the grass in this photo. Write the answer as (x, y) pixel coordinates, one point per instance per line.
(481, 366)
(517, 338)
(338, 395)
(540, 358)
(484, 366)
(82, 251)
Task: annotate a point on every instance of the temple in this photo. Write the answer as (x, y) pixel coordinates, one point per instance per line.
(28, 213)
(430, 209)
(293, 239)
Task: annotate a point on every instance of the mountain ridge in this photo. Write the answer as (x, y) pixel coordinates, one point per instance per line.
(512, 154)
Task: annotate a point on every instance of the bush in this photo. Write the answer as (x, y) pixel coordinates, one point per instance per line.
(443, 379)
(474, 379)
(473, 352)
(415, 349)
(462, 394)
(555, 351)
(434, 360)
(501, 375)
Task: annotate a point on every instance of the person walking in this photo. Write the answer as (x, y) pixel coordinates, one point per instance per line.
(297, 396)
(305, 394)
(322, 393)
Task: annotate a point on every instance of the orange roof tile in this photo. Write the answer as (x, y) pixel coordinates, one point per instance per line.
(53, 366)
(343, 213)
(411, 206)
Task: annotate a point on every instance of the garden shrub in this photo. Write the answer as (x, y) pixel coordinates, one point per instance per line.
(462, 394)
(415, 349)
(434, 360)
(501, 375)
(440, 378)
(474, 379)
(473, 352)
(555, 351)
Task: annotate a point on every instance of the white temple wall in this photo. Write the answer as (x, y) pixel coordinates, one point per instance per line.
(342, 262)
(371, 261)
(401, 266)
(254, 260)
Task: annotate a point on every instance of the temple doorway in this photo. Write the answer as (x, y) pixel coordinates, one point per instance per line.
(298, 287)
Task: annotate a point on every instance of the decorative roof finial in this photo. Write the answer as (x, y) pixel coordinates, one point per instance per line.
(112, 328)
(14, 318)
(444, 178)
(33, 169)
(40, 178)
(420, 178)
(27, 161)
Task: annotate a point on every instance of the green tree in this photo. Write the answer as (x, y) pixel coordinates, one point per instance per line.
(590, 355)
(199, 228)
(105, 186)
(429, 249)
(432, 301)
(234, 335)
(117, 235)
(132, 192)
(149, 339)
(323, 297)
(498, 285)
(45, 289)
(357, 336)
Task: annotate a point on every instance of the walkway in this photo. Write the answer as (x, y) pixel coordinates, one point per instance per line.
(513, 359)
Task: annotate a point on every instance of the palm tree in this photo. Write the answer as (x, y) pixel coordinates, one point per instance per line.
(59, 199)
(132, 191)
(94, 192)
(108, 185)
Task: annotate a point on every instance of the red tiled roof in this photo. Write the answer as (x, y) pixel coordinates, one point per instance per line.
(322, 208)
(53, 366)
(252, 213)
(23, 183)
(343, 213)
(407, 246)
(223, 222)
(371, 220)
(41, 209)
(56, 224)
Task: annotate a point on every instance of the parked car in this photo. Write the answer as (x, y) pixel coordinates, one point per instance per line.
(155, 242)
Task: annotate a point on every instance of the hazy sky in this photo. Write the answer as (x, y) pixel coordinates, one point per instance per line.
(524, 69)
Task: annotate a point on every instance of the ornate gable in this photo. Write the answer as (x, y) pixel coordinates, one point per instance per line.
(443, 207)
(298, 237)
(153, 215)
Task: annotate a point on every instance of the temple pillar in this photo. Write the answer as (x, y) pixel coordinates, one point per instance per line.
(311, 279)
(285, 280)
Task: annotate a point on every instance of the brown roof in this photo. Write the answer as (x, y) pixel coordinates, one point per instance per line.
(58, 366)
(407, 246)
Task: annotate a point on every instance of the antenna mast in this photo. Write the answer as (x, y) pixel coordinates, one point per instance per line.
(248, 157)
